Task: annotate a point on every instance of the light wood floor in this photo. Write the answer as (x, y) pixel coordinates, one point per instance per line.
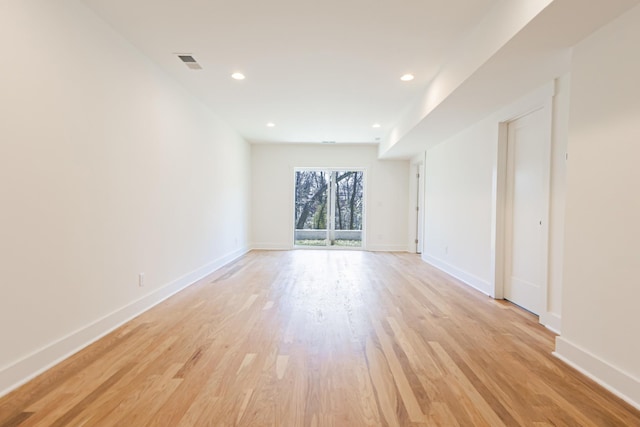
(320, 338)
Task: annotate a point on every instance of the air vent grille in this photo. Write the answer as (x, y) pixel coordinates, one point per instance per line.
(189, 61)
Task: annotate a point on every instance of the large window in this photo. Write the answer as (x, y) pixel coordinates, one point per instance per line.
(329, 207)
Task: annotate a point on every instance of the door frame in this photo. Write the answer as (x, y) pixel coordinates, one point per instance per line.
(365, 203)
(419, 246)
(541, 100)
(416, 204)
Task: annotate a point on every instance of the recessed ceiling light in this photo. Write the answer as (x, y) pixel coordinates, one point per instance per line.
(407, 77)
(376, 125)
(271, 125)
(237, 76)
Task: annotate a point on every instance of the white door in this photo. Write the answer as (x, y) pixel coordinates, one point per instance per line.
(525, 263)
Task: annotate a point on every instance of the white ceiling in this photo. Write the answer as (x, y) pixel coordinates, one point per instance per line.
(327, 70)
(319, 69)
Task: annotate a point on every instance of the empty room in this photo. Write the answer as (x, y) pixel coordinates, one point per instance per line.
(319, 213)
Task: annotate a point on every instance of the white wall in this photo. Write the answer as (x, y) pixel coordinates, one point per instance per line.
(386, 201)
(458, 204)
(461, 198)
(601, 295)
(107, 169)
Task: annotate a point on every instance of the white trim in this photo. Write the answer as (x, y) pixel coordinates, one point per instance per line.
(541, 99)
(416, 199)
(271, 247)
(370, 248)
(468, 278)
(552, 321)
(387, 248)
(32, 365)
(622, 384)
(328, 248)
(529, 103)
(498, 196)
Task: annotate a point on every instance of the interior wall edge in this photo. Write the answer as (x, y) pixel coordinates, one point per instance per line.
(34, 364)
(618, 382)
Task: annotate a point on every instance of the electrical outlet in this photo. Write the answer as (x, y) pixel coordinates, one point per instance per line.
(141, 279)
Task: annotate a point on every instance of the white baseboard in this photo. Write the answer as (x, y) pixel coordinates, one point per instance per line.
(271, 247)
(620, 383)
(552, 321)
(469, 279)
(387, 248)
(372, 248)
(27, 368)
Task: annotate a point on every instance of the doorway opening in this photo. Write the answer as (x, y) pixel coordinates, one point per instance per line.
(329, 208)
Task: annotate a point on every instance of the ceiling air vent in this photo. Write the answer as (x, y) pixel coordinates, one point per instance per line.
(190, 61)
(327, 142)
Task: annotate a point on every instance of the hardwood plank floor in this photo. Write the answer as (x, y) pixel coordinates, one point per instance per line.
(320, 338)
